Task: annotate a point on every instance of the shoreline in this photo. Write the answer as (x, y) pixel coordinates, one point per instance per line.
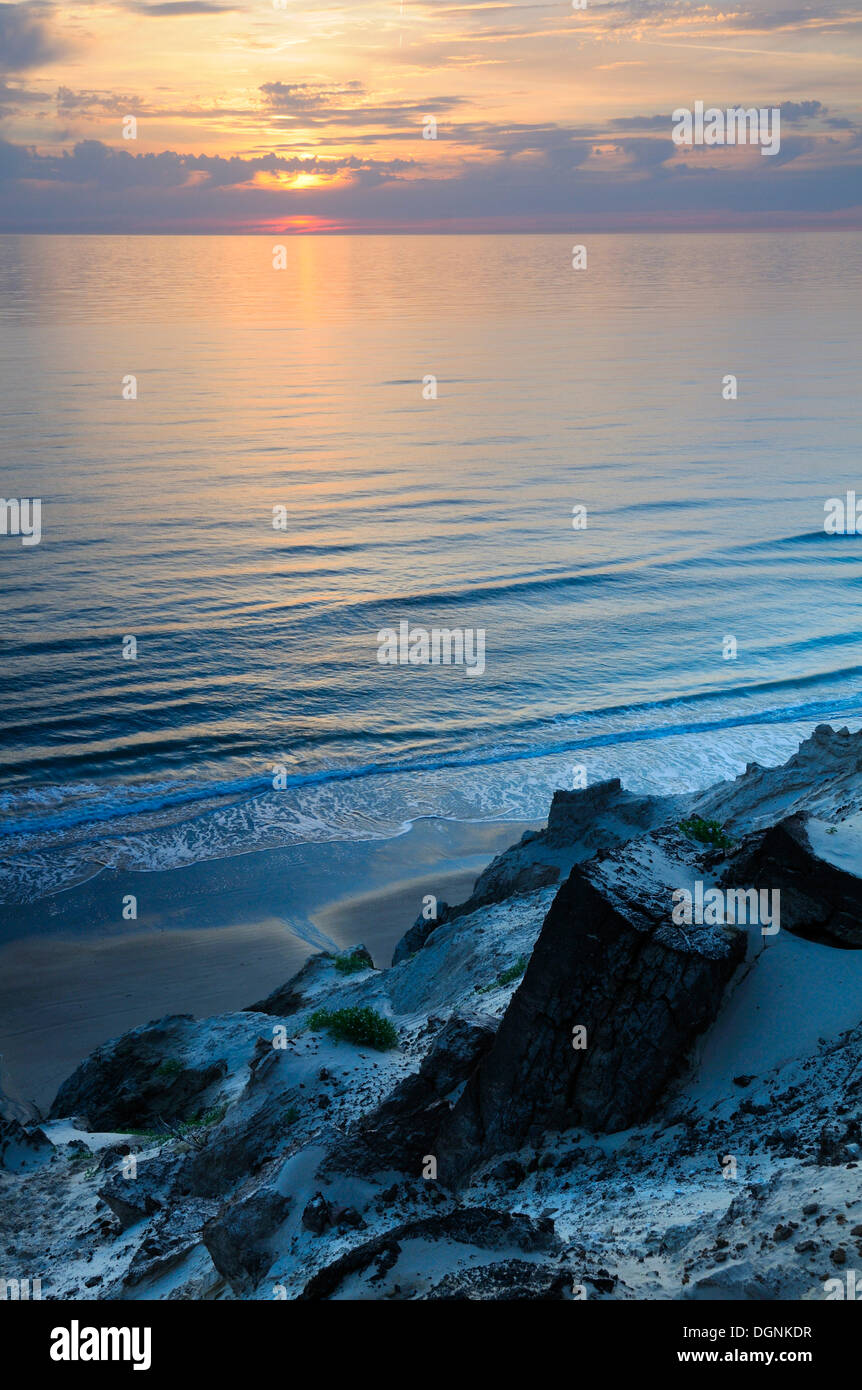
(210, 938)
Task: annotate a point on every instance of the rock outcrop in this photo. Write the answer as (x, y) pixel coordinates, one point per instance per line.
(238, 1237)
(378, 1261)
(582, 822)
(608, 961)
(23, 1147)
(821, 895)
(414, 939)
(315, 978)
(678, 1098)
(140, 1079)
(399, 1133)
(822, 778)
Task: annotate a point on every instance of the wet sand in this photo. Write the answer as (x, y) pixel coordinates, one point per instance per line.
(209, 938)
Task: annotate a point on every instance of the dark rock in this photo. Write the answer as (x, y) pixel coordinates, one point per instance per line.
(347, 1218)
(415, 937)
(833, 1142)
(112, 1154)
(401, 1132)
(607, 958)
(511, 879)
(151, 1190)
(255, 1129)
(505, 1281)
(317, 1216)
(581, 823)
(819, 900)
(574, 813)
(172, 1236)
(22, 1148)
(479, 1227)
(239, 1237)
(510, 1171)
(138, 1079)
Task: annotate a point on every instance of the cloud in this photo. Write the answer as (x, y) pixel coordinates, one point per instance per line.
(26, 40)
(105, 103)
(647, 152)
(310, 104)
(177, 8)
(98, 165)
(801, 110)
(641, 123)
(96, 187)
(14, 98)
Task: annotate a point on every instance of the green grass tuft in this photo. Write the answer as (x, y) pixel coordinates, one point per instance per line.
(514, 972)
(363, 1026)
(203, 1120)
(171, 1066)
(351, 964)
(708, 832)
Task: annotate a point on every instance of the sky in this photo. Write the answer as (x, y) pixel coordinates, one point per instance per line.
(283, 116)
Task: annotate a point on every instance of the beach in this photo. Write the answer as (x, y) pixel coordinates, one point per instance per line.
(210, 938)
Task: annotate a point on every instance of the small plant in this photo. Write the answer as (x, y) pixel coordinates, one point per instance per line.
(351, 964)
(213, 1116)
(363, 1026)
(514, 972)
(184, 1128)
(171, 1066)
(708, 832)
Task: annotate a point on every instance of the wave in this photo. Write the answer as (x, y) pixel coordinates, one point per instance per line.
(121, 803)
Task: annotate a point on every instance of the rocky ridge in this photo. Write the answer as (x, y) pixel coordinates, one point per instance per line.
(587, 1098)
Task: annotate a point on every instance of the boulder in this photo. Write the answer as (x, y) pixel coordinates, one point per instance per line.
(375, 1261)
(151, 1190)
(401, 1131)
(239, 1237)
(610, 960)
(137, 1080)
(414, 939)
(821, 895)
(581, 822)
(23, 1147)
(317, 1216)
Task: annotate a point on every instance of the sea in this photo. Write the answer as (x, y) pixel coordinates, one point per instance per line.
(250, 462)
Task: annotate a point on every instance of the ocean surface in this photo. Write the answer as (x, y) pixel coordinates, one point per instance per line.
(302, 389)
